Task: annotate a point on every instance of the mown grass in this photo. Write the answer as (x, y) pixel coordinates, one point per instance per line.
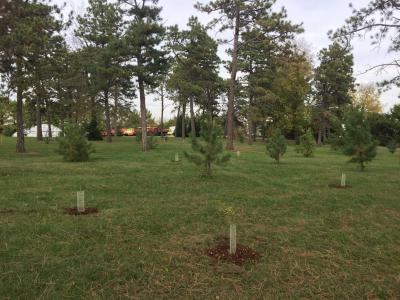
(158, 217)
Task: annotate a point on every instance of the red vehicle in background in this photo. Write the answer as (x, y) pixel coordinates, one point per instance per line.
(151, 130)
(121, 130)
(130, 132)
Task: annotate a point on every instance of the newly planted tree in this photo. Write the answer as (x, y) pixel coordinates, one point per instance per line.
(74, 146)
(276, 146)
(307, 144)
(209, 149)
(392, 146)
(358, 142)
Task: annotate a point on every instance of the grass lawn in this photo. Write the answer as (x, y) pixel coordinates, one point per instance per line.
(157, 218)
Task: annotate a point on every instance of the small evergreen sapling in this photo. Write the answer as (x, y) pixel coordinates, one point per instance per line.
(358, 141)
(209, 150)
(307, 144)
(151, 140)
(392, 146)
(93, 131)
(74, 146)
(276, 146)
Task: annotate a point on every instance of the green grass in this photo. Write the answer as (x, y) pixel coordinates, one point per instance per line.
(158, 217)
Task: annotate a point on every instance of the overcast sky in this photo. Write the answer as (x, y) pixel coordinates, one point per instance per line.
(317, 16)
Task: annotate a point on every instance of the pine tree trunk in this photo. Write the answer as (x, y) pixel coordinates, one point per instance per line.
(319, 136)
(50, 135)
(20, 147)
(183, 120)
(143, 114)
(108, 118)
(249, 129)
(162, 111)
(324, 134)
(177, 121)
(264, 132)
(232, 83)
(92, 107)
(39, 133)
(254, 132)
(115, 114)
(297, 135)
(62, 126)
(192, 121)
(49, 120)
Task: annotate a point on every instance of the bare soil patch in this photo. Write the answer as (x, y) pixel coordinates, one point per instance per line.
(338, 186)
(73, 211)
(244, 254)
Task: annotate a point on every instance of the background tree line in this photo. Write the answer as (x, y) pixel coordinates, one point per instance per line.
(125, 52)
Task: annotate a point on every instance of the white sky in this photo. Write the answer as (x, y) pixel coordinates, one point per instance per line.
(317, 16)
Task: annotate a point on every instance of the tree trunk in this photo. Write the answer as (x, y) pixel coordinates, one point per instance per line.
(108, 119)
(62, 126)
(162, 111)
(39, 132)
(264, 131)
(115, 114)
(249, 129)
(324, 133)
(192, 121)
(232, 83)
(143, 114)
(20, 147)
(297, 136)
(177, 121)
(183, 120)
(320, 135)
(49, 120)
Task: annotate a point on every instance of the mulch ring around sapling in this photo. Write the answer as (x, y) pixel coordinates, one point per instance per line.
(339, 186)
(73, 211)
(243, 253)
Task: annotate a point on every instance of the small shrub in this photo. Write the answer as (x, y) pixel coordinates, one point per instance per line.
(138, 137)
(392, 146)
(240, 135)
(358, 142)
(210, 149)
(276, 146)
(93, 131)
(74, 146)
(307, 144)
(8, 130)
(152, 142)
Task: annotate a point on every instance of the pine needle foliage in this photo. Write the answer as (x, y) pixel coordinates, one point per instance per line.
(208, 148)
(358, 141)
(307, 144)
(74, 146)
(276, 146)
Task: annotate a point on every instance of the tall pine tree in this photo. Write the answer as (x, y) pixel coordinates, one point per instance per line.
(144, 36)
(25, 26)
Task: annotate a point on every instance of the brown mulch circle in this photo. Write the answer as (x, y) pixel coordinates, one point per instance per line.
(243, 254)
(73, 211)
(338, 186)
